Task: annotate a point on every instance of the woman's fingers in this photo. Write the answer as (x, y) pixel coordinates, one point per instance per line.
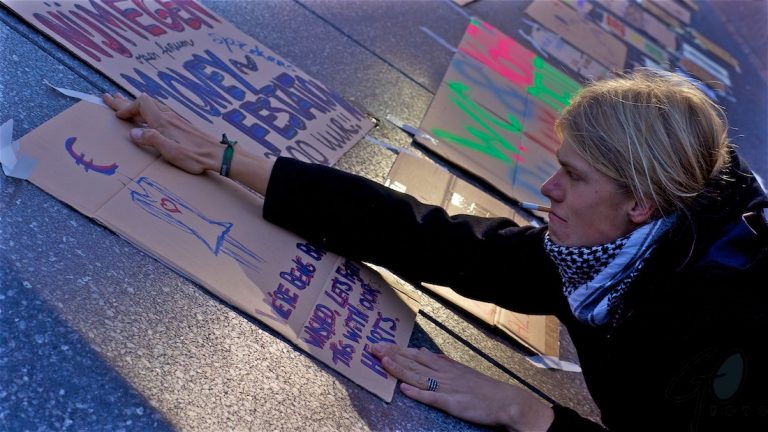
(419, 359)
(150, 139)
(124, 108)
(421, 356)
(459, 390)
(143, 109)
(424, 396)
(167, 133)
(407, 371)
(407, 358)
(160, 105)
(411, 366)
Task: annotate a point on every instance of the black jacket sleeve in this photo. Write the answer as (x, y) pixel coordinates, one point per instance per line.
(486, 259)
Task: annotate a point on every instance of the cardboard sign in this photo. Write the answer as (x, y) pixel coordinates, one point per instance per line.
(432, 185)
(642, 20)
(702, 74)
(715, 49)
(705, 62)
(495, 110)
(627, 33)
(672, 8)
(659, 13)
(208, 71)
(576, 60)
(210, 229)
(579, 32)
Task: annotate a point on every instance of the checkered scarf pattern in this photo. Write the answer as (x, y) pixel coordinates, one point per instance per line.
(595, 278)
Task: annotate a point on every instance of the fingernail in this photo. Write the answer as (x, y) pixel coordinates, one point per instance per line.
(136, 133)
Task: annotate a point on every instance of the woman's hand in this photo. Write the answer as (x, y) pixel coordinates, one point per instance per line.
(462, 391)
(177, 141)
(184, 145)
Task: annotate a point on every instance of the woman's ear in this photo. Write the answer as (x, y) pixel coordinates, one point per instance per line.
(641, 213)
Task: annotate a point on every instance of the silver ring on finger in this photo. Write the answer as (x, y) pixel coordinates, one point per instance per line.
(432, 384)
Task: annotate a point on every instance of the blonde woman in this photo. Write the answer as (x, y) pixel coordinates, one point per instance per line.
(654, 257)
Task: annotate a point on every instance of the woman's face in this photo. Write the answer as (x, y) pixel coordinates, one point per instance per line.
(588, 208)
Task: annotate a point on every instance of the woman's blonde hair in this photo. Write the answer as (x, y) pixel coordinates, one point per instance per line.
(654, 133)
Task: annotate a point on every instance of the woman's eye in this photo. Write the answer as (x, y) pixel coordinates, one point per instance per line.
(572, 175)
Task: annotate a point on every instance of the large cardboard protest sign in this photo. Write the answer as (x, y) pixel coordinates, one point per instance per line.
(581, 33)
(211, 73)
(714, 48)
(495, 110)
(552, 44)
(672, 8)
(642, 20)
(633, 37)
(431, 184)
(210, 229)
(659, 13)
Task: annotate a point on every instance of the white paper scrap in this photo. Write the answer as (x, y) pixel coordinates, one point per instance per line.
(550, 362)
(79, 95)
(8, 147)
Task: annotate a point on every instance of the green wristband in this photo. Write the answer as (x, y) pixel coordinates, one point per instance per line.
(226, 163)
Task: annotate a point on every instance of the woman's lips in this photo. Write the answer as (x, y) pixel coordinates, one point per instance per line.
(551, 214)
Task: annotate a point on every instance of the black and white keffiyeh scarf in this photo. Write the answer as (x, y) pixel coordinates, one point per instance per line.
(596, 277)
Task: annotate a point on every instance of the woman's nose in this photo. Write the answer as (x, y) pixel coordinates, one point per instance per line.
(551, 188)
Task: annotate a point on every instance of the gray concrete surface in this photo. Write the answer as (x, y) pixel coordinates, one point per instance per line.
(96, 335)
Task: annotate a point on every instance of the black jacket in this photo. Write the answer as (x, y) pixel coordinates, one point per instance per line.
(688, 356)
